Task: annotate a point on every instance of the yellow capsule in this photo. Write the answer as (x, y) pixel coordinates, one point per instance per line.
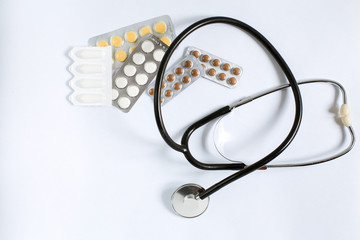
(116, 41)
(120, 56)
(131, 37)
(102, 43)
(166, 40)
(160, 27)
(132, 49)
(144, 31)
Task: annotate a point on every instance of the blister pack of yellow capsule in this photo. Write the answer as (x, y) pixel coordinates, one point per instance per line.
(124, 40)
(178, 78)
(217, 69)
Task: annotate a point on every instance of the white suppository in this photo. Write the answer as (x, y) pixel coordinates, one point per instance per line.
(91, 82)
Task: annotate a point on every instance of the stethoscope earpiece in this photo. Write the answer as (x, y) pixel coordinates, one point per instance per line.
(186, 202)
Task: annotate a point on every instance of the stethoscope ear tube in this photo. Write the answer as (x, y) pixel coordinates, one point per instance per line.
(183, 147)
(344, 115)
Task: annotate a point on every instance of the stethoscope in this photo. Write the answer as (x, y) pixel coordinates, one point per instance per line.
(192, 200)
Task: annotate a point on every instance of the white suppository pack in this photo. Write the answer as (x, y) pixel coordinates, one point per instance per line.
(217, 69)
(180, 76)
(92, 70)
(133, 77)
(124, 40)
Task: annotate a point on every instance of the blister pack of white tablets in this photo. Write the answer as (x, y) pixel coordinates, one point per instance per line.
(133, 77)
(178, 78)
(92, 71)
(217, 69)
(124, 40)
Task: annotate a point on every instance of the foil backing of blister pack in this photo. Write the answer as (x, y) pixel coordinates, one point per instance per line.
(179, 77)
(124, 40)
(217, 69)
(133, 77)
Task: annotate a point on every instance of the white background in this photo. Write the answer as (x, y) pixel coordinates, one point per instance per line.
(91, 173)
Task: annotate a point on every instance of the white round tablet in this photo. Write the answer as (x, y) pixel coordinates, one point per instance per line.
(141, 79)
(138, 58)
(121, 82)
(124, 102)
(147, 46)
(115, 94)
(129, 70)
(132, 91)
(150, 67)
(158, 54)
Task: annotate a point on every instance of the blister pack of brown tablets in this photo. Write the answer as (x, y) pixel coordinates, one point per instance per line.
(133, 77)
(178, 78)
(124, 40)
(217, 69)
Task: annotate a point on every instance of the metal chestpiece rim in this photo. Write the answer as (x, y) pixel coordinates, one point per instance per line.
(186, 203)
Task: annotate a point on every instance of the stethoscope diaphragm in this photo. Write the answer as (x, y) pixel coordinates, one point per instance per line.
(186, 203)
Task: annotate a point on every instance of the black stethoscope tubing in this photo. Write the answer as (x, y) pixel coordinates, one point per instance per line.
(184, 146)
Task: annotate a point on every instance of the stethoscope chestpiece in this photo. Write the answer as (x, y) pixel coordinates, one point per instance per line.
(186, 203)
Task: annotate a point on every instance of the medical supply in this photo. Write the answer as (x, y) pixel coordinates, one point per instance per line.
(130, 81)
(141, 59)
(91, 82)
(178, 78)
(124, 40)
(217, 69)
(191, 200)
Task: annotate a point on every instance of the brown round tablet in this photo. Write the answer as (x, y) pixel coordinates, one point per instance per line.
(225, 67)
(177, 86)
(186, 79)
(205, 58)
(170, 78)
(162, 100)
(179, 71)
(195, 72)
(188, 64)
(195, 54)
(215, 62)
(163, 85)
(236, 71)
(151, 91)
(212, 72)
(221, 76)
(232, 81)
(168, 93)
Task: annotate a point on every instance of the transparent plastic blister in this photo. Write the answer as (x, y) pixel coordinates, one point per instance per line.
(179, 77)
(124, 40)
(217, 69)
(91, 82)
(133, 77)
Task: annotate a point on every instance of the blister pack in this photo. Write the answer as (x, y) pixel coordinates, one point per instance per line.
(92, 72)
(124, 40)
(217, 69)
(178, 78)
(132, 78)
